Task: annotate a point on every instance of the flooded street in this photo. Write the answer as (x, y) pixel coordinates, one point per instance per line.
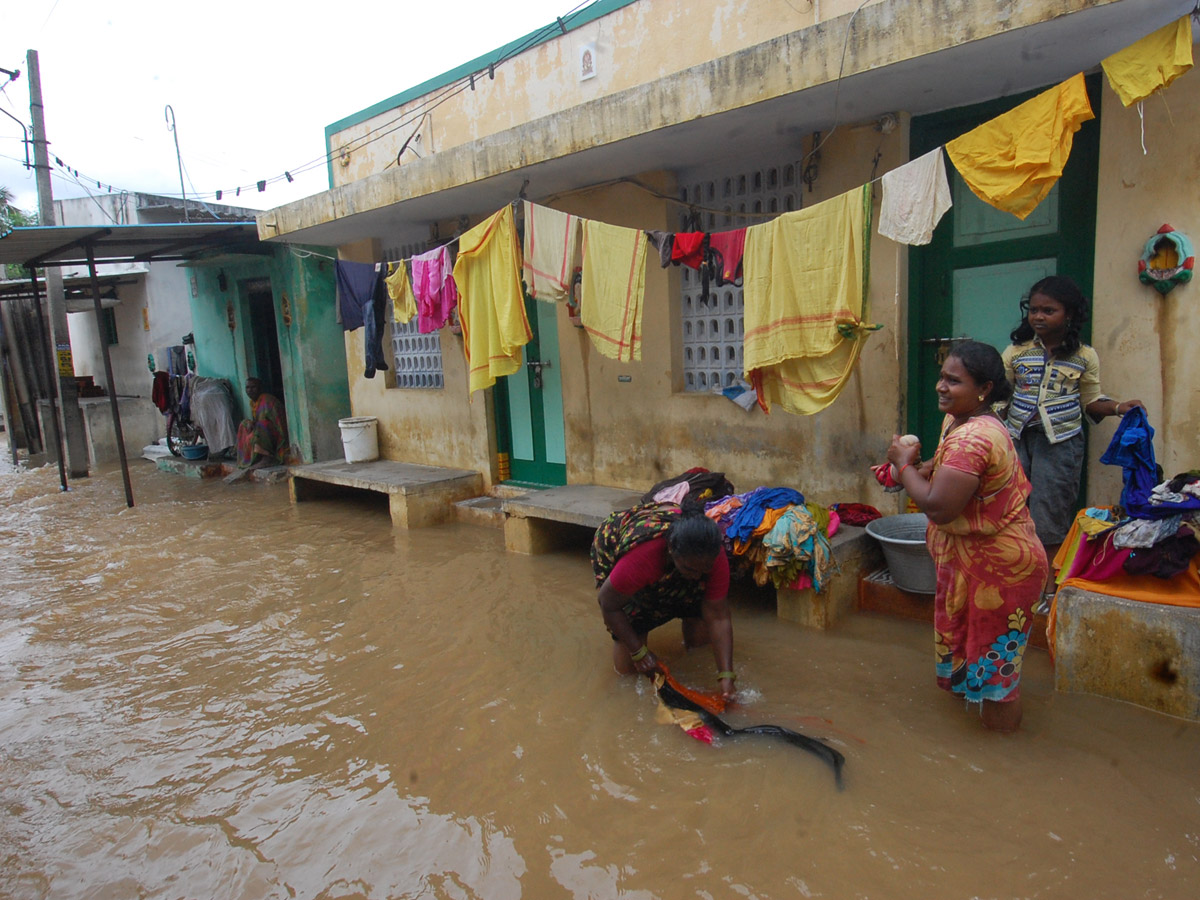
(217, 694)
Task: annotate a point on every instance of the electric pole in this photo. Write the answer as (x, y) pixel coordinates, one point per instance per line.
(68, 390)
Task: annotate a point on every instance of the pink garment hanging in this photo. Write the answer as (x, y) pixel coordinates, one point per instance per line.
(434, 289)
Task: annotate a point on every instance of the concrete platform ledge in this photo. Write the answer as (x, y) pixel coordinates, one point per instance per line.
(418, 496)
(856, 554)
(542, 521)
(1143, 653)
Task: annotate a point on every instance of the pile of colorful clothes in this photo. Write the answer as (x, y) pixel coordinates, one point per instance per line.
(1153, 532)
(773, 535)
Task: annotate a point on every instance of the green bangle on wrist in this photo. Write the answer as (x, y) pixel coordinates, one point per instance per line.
(721, 676)
(639, 655)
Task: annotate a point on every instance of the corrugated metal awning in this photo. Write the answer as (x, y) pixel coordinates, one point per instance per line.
(67, 245)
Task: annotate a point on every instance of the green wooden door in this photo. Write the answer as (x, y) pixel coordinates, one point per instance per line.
(968, 282)
(529, 407)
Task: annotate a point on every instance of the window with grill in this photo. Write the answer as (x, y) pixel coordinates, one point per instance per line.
(713, 327)
(417, 357)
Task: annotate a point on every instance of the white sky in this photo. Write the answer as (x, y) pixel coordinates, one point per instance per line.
(252, 83)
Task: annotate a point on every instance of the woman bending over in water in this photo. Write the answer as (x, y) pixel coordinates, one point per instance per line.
(657, 562)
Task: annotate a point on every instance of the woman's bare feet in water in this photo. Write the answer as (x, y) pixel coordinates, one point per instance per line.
(1004, 718)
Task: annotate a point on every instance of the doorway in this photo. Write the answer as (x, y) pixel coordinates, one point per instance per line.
(967, 283)
(263, 352)
(529, 406)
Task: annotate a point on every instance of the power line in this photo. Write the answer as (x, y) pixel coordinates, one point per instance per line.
(376, 133)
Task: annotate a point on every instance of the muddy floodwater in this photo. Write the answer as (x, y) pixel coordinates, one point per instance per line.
(216, 694)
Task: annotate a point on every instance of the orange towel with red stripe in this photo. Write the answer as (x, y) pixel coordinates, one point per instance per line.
(551, 239)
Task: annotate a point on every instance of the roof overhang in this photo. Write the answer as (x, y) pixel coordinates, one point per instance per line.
(77, 291)
(75, 245)
(894, 59)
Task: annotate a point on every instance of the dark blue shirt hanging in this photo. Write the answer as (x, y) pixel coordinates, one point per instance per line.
(361, 301)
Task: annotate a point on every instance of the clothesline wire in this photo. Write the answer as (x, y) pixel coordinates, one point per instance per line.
(379, 132)
(430, 103)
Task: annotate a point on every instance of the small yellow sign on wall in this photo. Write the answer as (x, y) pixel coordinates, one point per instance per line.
(66, 365)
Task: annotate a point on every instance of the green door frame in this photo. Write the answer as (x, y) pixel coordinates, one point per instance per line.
(536, 402)
(931, 267)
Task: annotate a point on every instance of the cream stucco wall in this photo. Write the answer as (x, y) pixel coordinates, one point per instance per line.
(432, 427)
(1147, 342)
(635, 45)
(632, 434)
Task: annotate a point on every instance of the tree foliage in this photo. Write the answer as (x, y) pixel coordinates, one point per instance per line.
(12, 217)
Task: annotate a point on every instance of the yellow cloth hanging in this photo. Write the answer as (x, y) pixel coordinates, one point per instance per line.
(1013, 160)
(404, 304)
(1152, 63)
(614, 282)
(805, 273)
(549, 252)
(491, 304)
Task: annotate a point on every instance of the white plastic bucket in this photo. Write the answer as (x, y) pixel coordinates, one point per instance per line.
(360, 438)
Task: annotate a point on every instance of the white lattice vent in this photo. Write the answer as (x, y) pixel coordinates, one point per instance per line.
(418, 357)
(713, 328)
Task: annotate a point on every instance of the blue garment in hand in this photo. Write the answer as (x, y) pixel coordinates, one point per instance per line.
(1132, 449)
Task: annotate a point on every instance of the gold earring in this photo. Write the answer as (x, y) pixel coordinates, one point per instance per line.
(981, 398)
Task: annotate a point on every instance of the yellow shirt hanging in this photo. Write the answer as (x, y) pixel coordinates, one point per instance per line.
(491, 304)
(1152, 63)
(404, 305)
(1013, 160)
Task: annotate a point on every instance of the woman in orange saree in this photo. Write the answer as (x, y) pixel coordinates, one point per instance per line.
(991, 567)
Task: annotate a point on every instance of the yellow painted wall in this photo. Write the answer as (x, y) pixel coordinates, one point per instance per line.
(431, 427)
(632, 434)
(635, 46)
(1147, 343)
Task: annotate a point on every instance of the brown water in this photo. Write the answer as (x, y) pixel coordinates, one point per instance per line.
(218, 695)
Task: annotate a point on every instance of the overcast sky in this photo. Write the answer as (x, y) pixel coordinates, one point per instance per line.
(252, 83)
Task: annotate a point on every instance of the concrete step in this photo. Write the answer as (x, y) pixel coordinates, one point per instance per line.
(508, 491)
(483, 510)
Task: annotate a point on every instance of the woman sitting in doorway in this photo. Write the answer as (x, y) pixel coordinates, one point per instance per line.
(262, 439)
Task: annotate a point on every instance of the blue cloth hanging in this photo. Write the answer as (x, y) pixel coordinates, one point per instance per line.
(361, 301)
(1132, 448)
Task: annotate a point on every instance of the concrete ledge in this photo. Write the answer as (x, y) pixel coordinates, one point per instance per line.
(541, 521)
(215, 468)
(1144, 653)
(856, 554)
(190, 468)
(418, 496)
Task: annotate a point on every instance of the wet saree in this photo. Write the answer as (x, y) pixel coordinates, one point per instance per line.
(265, 432)
(672, 596)
(991, 567)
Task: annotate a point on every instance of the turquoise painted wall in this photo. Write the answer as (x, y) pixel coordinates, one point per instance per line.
(311, 349)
